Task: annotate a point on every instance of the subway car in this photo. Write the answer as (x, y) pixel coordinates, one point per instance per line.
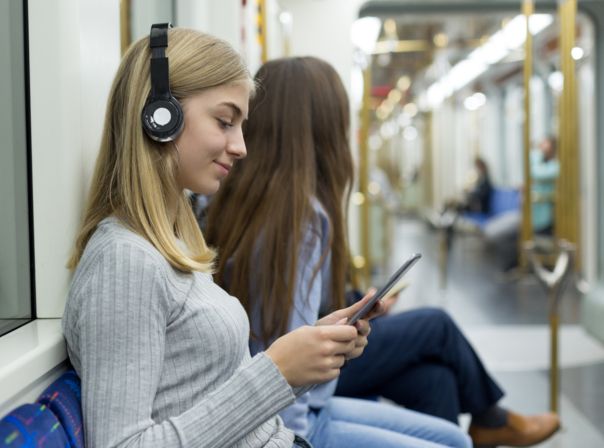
(476, 141)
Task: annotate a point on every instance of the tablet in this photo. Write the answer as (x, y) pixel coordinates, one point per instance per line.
(392, 281)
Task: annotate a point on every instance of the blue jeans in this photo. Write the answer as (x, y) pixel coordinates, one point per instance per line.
(352, 423)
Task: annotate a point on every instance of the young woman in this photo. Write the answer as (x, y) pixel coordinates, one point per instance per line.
(162, 351)
(279, 224)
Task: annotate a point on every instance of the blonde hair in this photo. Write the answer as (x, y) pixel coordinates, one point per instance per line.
(135, 177)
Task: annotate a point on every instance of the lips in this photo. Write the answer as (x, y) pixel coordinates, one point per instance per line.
(225, 166)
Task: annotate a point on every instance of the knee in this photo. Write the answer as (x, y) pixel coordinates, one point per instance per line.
(436, 316)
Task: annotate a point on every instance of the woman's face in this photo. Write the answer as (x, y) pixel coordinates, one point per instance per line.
(212, 138)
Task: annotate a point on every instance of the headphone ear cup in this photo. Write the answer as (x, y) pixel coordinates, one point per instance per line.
(162, 119)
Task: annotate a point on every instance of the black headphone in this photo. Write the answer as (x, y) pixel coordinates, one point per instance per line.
(162, 115)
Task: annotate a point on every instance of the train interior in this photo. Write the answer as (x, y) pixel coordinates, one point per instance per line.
(441, 92)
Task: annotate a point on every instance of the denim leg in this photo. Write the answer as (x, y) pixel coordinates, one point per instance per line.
(348, 422)
(401, 341)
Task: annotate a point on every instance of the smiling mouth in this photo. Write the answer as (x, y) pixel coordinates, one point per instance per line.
(226, 167)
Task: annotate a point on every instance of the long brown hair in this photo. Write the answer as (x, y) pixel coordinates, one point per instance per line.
(135, 177)
(297, 142)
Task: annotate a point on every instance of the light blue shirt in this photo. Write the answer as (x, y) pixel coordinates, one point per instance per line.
(543, 175)
(310, 292)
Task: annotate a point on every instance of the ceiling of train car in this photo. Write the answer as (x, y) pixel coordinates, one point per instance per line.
(409, 44)
(422, 47)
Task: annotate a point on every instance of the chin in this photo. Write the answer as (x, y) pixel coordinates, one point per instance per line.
(208, 189)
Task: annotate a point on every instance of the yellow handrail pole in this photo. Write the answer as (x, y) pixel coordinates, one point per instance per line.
(567, 210)
(364, 177)
(526, 231)
(427, 165)
(125, 28)
(261, 17)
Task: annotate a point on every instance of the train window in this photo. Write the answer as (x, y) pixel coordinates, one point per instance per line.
(16, 292)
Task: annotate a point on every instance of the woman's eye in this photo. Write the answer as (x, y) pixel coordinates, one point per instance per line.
(224, 123)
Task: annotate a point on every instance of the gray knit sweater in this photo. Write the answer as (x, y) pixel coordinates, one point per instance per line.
(163, 356)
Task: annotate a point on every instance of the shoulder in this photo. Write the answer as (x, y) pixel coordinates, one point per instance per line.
(113, 240)
(116, 252)
(120, 267)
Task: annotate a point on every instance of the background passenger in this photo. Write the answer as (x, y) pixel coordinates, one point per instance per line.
(478, 197)
(544, 172)
(162, 351)
(280, 225)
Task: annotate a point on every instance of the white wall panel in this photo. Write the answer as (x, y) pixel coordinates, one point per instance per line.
(74, 52)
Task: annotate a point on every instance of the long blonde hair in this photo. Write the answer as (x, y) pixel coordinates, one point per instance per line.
(135, 177)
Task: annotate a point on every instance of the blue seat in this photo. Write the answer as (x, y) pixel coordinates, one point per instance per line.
(63, 398)
(32, 426)
(503, 200)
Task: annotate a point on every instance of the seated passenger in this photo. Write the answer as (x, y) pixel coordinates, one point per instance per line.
(284, 213)
(279, 225)
(504, 233)
(478, 197)
(162, 351)
(420, 359)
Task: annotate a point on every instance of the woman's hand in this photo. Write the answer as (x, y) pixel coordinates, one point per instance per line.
(362, 325)
(346, 313)
(312, 355)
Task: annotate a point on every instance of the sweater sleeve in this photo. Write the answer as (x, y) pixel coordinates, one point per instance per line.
(124, 311)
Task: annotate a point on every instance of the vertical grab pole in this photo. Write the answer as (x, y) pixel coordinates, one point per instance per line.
(364, 176)
(554, 321)
(125, 28)
(567, 212)
(526, 231)
(262, 36)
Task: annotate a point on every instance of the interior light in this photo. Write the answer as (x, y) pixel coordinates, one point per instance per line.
(441, 40)
(475, 101)
(539, 22)
(364, 33)
(464, 72)
(410, 133)
(577, 53)
(403, 120)
(390, 28)
(394, 96)
(410, 109)
(285, 18)
(403, 83)
(373, 188)
(514, 33)
(556, 81)
(357, 198)
(435, 95)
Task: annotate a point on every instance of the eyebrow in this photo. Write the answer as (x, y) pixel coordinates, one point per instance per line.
(236, 109)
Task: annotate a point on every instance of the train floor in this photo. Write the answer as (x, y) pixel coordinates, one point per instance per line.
(506, 319)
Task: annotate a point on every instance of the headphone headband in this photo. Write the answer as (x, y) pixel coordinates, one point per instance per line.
(160, 77)
(158, 37)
